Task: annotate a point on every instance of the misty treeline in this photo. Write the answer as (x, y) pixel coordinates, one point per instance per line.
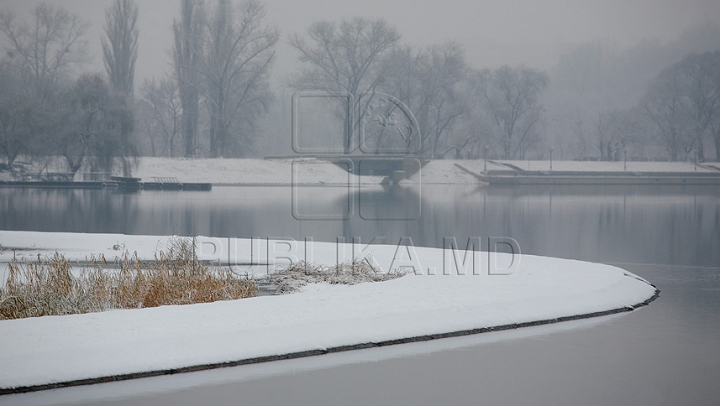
(208, 105)
(47, 109)
(652, 101)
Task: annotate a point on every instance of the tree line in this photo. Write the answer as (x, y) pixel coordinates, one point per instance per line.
(213, 101)
(46, 109)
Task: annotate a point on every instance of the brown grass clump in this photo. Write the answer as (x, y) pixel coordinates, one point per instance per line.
(297, 275)
(49, 287)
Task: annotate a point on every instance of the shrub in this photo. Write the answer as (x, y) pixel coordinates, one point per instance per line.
(49, 287)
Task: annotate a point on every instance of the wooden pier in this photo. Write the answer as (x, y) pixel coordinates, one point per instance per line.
(116, 182)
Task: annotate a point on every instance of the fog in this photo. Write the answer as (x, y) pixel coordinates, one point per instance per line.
(594, 68)
(493, 32)
(446, 118)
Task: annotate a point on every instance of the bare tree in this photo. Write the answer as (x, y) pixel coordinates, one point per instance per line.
(512, 99)
(119, 56)
(615, 131)
(663, 107)
(11, 135)
(237, 53)
(165, 114)
(683, 102)
(715, 133)
(701, 103)
(40, 53)
(344, 59)
(445, 98)
(89, 122)
(474, 135)
(44, 47)
(19, 119)
(187, 52)
(432, 83)
(120, 47)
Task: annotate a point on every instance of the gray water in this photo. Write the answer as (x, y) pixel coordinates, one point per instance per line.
(665, 354)
(629, 224)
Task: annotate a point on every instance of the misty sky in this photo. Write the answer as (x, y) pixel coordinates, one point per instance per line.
(494, 32)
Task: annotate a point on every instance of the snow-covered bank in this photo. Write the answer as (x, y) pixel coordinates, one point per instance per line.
(221, 171)
(310, 171)
(91, 394)
(305, 171)
(453, 171)
(610, 167)
(47, 350)
(446, 171)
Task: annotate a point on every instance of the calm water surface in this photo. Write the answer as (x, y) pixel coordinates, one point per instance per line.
(665, 354)
(670, 226)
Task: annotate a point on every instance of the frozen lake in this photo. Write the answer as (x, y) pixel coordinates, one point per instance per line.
(667, 353)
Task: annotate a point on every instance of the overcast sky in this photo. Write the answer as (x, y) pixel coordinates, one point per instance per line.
(494, 32)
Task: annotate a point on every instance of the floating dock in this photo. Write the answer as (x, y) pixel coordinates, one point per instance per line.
(112, 184)
(513, 175)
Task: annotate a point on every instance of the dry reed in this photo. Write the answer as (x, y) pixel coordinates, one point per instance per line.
(297, 275)
(48, 286)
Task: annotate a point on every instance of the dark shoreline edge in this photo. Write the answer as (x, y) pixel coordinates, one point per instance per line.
(311, 353)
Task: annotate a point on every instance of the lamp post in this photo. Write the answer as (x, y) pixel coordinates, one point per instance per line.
(625, 155)
(485, 150)
(696, 155)
(551, 151)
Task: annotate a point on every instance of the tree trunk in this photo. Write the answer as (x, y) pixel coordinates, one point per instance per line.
(700, 151)
(190, 117)
(213, 132)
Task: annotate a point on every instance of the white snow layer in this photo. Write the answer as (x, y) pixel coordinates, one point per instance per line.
(605, 166)
(220, 171)
(312, 171)
(45, 350)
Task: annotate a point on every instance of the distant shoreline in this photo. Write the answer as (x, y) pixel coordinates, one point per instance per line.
(303, 171)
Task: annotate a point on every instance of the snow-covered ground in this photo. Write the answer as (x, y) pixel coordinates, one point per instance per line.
(305, 171)
(601, 166)
(221, 171)
(431, 299)
(97, 394)
(309, 171)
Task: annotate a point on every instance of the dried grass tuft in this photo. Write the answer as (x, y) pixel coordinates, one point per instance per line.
(48, 286)
(297, 275)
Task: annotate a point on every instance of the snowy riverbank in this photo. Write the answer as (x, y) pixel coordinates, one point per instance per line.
(247, 171)
(310, 171)
(305, 171)
(446, 171)
(319, 319)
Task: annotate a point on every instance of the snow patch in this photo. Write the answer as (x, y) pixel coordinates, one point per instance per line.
(47, 350)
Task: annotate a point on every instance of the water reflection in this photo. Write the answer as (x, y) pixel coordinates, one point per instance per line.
(664, 354)
(665, 225)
